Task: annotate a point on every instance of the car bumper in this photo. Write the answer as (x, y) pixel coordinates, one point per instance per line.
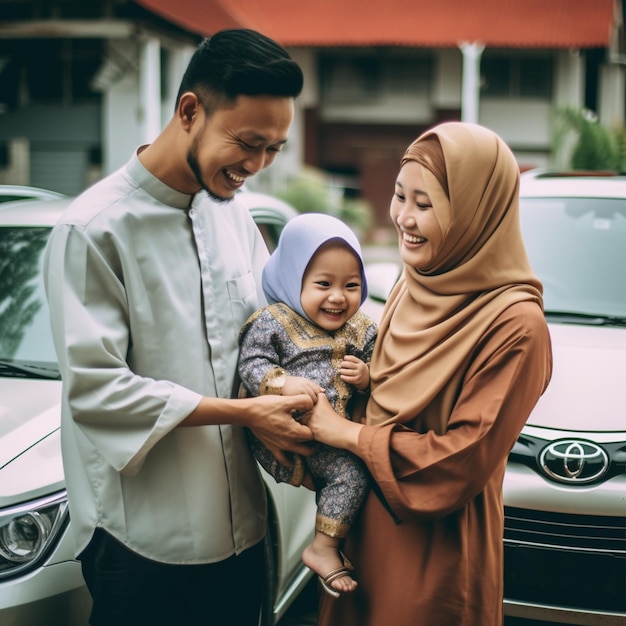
(562, 615)
(564, 550)
(54, 595)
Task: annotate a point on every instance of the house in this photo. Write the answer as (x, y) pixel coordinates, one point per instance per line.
(83, 83)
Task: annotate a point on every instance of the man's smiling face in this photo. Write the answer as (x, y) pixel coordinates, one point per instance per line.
(236, 142)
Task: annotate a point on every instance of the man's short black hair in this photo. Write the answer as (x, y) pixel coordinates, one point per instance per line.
(237, 62)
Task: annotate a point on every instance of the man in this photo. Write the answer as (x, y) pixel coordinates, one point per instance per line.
(150, 275)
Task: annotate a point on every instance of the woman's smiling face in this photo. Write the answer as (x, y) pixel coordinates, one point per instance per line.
(419, 233)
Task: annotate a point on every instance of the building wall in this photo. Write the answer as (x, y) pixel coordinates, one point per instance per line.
(68, 147)
(52, 146)
(363, 141)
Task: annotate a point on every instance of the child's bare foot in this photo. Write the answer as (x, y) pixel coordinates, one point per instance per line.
(325, 559)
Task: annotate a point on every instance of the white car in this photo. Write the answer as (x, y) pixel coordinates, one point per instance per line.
(40, 582)
(10, 193)
(565, 484)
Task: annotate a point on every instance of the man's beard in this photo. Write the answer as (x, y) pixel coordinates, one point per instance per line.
(192, 161)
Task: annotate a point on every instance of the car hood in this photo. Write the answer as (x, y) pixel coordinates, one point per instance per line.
(587, 391)
(30, 410)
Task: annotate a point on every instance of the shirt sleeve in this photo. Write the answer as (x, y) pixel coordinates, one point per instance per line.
(89, 320)
(259, 354)
(432, 475)
(370, 340)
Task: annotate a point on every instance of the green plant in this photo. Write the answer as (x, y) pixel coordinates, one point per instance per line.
(311, 192)
(596, 147)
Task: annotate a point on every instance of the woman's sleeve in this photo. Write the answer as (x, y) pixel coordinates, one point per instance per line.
(431, 475)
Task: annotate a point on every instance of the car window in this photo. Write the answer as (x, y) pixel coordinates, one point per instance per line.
(11, 193)
(26, 345)
(270, 232)
(14, 197)
(25, 334)
(577, 247)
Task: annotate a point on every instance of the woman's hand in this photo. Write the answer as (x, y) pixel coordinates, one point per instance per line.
(330, 428)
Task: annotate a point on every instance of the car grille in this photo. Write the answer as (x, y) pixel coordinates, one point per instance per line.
(573, 532)
(577, 561)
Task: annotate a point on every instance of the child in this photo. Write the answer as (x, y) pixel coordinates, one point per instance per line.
(313, 338)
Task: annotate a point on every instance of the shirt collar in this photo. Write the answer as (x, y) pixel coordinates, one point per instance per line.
(157, 188)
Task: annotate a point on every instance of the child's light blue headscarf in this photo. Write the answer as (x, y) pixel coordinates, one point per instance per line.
(300, 239)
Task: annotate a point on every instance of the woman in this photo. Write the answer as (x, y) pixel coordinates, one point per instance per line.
(463, 354)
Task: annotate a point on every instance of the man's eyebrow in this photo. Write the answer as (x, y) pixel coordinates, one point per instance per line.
(262, 138)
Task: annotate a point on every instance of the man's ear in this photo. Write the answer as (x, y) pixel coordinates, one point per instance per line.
(188, 108)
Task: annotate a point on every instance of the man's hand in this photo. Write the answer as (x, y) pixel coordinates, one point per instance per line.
(270, 419)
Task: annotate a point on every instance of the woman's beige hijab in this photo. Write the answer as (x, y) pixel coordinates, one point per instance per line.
(434, 318)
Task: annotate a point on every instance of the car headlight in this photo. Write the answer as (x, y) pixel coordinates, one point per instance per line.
(29, 531)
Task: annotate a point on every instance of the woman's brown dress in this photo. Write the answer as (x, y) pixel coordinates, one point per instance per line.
(462, 356)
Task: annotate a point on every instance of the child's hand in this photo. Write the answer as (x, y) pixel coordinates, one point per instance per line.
(354, 371)
(295, 385)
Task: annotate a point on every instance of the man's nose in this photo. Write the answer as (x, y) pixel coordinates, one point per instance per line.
(255, 162)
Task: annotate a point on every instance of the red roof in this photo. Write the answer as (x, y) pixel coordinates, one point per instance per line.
(415, 23)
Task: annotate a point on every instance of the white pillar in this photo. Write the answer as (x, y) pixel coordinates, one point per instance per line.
(470, 95)
(150, 89)
(570, 80)
(178, 62)
(612, 95)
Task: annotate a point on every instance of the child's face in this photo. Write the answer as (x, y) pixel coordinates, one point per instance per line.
(331, 286)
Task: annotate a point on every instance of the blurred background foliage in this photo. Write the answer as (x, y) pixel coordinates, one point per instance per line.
(312, 191)
(582, 143)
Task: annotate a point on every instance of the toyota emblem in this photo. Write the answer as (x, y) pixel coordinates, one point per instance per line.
(574, 461)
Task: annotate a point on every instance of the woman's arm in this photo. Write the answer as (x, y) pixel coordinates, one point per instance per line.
(332, 429)
(428, 474)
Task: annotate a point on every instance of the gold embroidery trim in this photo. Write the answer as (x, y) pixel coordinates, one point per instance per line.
(298, 471)
(331, 527)
(272, 383)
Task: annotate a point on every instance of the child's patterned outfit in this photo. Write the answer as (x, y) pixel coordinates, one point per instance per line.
(276, 341)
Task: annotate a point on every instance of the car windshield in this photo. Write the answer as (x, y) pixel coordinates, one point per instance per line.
(577, 246)
(26, 347)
